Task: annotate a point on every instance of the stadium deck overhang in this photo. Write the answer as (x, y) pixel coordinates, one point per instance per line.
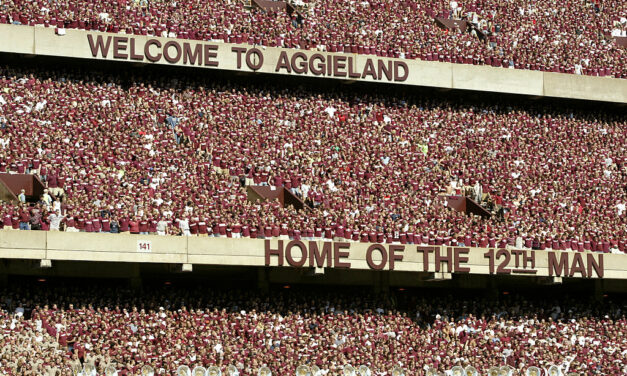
(262, 262)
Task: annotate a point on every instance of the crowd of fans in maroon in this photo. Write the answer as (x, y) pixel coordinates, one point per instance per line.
(161, 156)
(572, 37)
(44, 331)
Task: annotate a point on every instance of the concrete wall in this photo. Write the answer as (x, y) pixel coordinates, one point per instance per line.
(43, 41)
(127, 248)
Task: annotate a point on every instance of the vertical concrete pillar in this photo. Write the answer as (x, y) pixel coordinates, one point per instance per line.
(135, 280)
(262, 280)
(4, 274)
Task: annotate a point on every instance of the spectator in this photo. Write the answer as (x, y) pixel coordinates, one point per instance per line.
(22, 196)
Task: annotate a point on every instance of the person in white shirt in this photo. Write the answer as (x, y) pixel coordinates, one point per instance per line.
(22, 196)
(55, 220)
(162, 227)
(184, 225)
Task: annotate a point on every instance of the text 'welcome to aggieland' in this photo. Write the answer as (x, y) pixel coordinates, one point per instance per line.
(253, 59)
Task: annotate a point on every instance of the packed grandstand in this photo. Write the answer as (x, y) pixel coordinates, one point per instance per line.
(576, 36)
(171, 326)
(144, 150)
(150, 155)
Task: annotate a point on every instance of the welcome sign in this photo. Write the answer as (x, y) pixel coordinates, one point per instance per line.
(195, 53)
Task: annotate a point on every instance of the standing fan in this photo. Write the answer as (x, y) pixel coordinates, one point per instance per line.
(76, 369)
(89, 369)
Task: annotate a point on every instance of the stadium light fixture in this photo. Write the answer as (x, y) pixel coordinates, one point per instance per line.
(348, 370)
(433, 372)
(200, 371)
(506, 371)
(316, 371)
(364, 370)
(211, 371)
(303, 370)
(397, 371)
(554, 370)
(533, 371)
(183, 371)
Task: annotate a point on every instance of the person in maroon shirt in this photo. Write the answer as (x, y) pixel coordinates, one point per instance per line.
(133, 225)
(6, 219)
(124, 223)
(143, 225)
(70, 223)
(96, 221)
(88, 224)
(80, 222)
(193, 226)
(152, 226)
(105, 223)
(24, 215)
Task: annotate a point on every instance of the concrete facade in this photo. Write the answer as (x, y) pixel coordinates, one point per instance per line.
(34, 40)
(127, 248)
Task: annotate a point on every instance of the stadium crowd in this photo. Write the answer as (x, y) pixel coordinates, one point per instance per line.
(165, 156)
(572, 37)
(44, 331)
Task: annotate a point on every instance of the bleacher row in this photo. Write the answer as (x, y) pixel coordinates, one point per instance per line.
(572, 37)
(155, 155)
(46, 330)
